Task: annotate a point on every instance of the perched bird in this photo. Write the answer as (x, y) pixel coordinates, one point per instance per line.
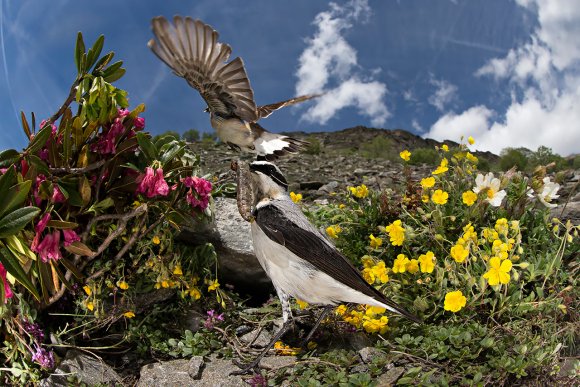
(191, 49)
(299, 260)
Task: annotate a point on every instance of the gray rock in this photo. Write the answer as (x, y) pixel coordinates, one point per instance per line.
(176, 373)
(258, 338)
(570, 211)
(329, 187)
(390, 377)
(367, 354)
(83, 368)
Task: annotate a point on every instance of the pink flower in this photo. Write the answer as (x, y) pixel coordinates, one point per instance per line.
(123, 112)
(199, 193)
(36, 193)
(49, 247)
(3, 170)
(39, 228)
(161, 187)
(53, 126)
(57, 195)
(43, 154)
(153, 183)
(117, 128)
(7, 290)
(70, 236)
(106, 143)
(139, 123)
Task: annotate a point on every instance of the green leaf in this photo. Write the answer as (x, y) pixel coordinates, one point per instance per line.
(171, 153)
(61, 224)
(112, 68)
(15, 196)
(79, 248)
(60, 274)
(19, 249)
(40, 139)
(25, 125)
(39, 164)
(7, 180)
(103, 62)
(17, 220)
(46, 284)
(71, 267)
(115, 75)
(79, 52)
(147, 146)
(13, 267)
(95, 51)
(8, 157)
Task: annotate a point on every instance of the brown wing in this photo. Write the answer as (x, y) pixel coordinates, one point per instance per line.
(191, 48)
(266, 110)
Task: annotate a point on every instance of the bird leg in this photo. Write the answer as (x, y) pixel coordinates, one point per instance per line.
(287, 325)
(324, 313)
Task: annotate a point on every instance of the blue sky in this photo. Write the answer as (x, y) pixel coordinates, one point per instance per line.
(505, 72)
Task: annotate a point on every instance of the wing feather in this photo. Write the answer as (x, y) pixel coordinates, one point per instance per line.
(266, 110)
(300, 237)
(191, 49)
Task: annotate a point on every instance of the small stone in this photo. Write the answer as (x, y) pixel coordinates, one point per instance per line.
(329, 187)
(367, 354)
(258, 338)
(194, 367)
(390, 377)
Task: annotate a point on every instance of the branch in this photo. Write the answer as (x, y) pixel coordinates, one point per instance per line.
(78, 171)
(65, 105)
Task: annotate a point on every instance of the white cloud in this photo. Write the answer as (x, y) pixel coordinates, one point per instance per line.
(417, 126)
(444, 94)
(544, 76)
(329, 65)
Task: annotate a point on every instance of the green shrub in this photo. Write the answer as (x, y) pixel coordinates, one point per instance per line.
(379, 147)
(314, 146)
(424, 156)
(511, 157)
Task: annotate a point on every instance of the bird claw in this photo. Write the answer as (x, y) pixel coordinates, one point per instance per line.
(245, 368)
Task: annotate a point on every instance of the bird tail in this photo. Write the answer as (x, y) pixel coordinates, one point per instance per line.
(271, 146)
(394, 307)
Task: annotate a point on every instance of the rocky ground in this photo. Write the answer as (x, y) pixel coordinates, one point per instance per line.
(338, 163)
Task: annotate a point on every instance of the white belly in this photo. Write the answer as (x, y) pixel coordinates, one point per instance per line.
(234, 131)
(297, 278)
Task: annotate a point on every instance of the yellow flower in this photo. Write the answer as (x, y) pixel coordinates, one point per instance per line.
(469, 197)
(499, 271)
(427, 262)
(360, 191)
(129, 314)
(412, 266)
(367, 261)
(405, 155)
(213, 285)
(380, 272)
(195, 293)
(123, 285)
(301, 304)
(136, 204)
(501, 226)
(285, 350)
(375, 242)
(295, 197)
(439, 197)
(156, 240)
(427, 182)
(165, 284)
(355, 318)
(442, 168)
(471, 158)
(459, 253)
(454, 301)
(396, 233)
(445, 148)
(374, 325)
(333, 231)
(177, 270)
(340, 310)
(87, 290)
(90, 305)
(470, 140)
(425, 198)
(400, 264)
(368, 275)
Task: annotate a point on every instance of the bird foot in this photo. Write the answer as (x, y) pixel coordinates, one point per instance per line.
(247, 368)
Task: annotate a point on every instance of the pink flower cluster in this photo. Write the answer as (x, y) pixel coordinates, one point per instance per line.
(43, 153)
(49, 247)
(199, 192)
(7, 290)
(107, 141)
(152, 183)
(57, 195)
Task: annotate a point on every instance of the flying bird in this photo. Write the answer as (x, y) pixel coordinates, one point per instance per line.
(299, 260)
(191, 49)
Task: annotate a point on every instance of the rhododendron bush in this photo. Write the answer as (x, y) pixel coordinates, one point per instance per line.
(90, 203)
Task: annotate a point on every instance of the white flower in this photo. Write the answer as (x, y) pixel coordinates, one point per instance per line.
(490, 186)
(549, 192)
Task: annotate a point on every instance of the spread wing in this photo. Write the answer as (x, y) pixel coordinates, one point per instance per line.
(191, 49)
(266, 110)
(304, 240)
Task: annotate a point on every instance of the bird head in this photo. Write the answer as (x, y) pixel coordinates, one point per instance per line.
(269, 178)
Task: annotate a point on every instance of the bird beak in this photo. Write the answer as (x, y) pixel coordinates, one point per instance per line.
(206, 110)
